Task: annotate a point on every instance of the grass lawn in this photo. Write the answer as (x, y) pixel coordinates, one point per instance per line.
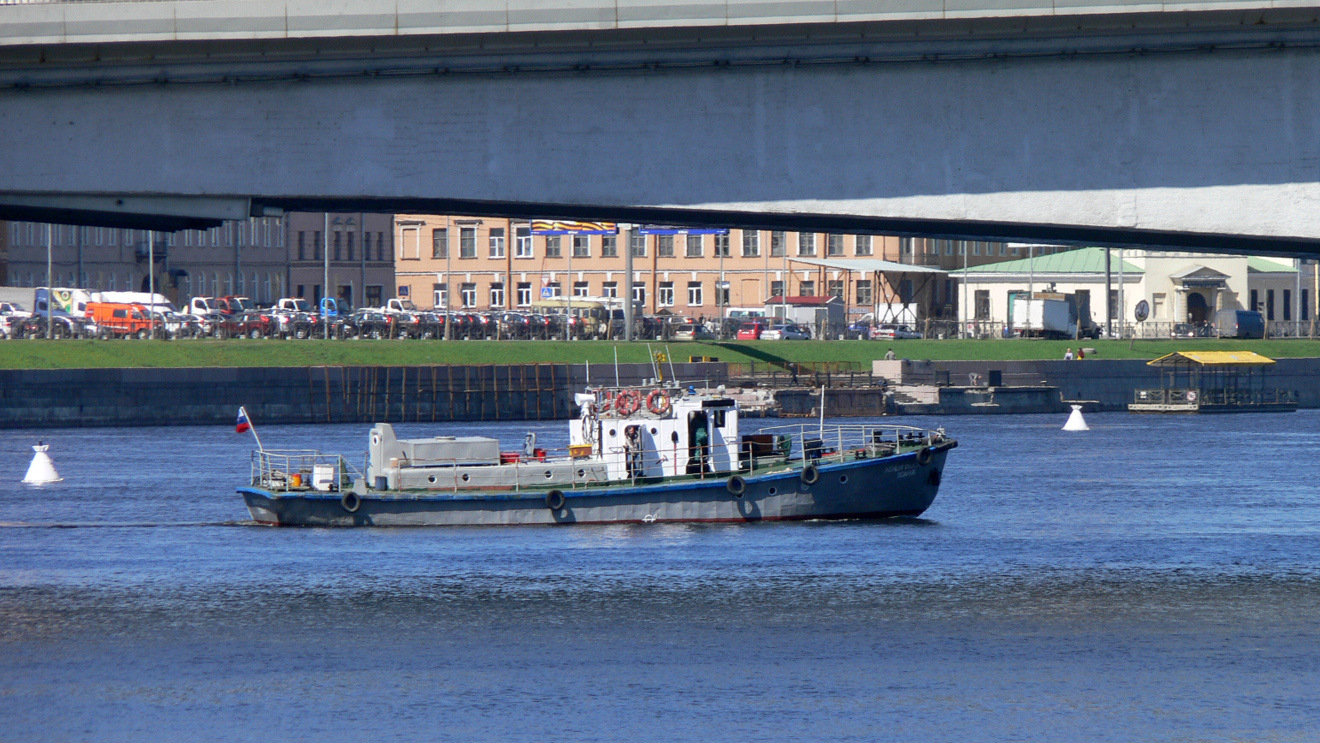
(68, 354)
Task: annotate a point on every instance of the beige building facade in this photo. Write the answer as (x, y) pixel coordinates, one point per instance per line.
(449, 262)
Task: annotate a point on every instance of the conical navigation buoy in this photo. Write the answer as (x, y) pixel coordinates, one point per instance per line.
(1075, 421)
(42, 470)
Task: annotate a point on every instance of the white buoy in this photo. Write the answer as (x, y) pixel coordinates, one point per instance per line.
(1075, 421)
(42, 470)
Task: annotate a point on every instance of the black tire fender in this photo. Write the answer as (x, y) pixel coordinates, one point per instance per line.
(923, 456)
(810, 474)
(350, 502)
(554, 500)
(736, 485)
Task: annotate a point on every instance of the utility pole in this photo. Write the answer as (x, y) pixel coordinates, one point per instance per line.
(325, 279)
(628, 282)
(50, 290)
(151, 277)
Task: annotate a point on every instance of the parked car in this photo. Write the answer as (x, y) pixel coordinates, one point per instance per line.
(1189, 330)
(751, 331)
(891, 331)
(785, 332)
(858, 331)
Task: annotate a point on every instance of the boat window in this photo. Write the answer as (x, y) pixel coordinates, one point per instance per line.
(718, 417)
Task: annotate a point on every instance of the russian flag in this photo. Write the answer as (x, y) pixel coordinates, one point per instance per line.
(243, 423)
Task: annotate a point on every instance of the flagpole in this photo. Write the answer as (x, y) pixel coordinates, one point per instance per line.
(243, 411)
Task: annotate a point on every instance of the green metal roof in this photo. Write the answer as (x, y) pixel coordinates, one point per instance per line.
(1265, 265)
(1081, 260)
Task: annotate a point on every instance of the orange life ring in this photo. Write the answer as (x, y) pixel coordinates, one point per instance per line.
(627, 402)
(658, 402)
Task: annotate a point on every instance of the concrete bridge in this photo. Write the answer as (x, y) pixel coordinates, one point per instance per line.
(1166, 124)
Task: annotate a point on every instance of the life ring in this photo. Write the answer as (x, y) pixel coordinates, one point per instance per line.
(736, 485)
(627, 403)
(350, 502)
(923, 456)
(810, 474)
(554, 500)
(1191, 395)
(658, 402)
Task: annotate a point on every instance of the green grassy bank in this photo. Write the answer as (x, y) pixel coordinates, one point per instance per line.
(22, 354)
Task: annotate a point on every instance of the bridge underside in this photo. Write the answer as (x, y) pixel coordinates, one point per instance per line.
(1200, 131)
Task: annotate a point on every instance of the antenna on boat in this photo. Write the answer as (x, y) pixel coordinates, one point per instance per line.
(822, 412)
(651, 354)
(669, 355)
(616, 366)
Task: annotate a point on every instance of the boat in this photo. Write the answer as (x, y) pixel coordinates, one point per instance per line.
(636, 455)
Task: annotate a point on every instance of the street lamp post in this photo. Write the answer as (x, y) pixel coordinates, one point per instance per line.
(50, 290)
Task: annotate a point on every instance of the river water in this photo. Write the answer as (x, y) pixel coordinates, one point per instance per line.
(1156, 578)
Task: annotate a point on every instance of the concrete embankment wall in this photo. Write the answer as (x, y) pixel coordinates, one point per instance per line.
(1108, 383)
(334, 394)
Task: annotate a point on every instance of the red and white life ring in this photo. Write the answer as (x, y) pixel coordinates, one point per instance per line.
(627, 402)
(1191, 395)
(658, 402)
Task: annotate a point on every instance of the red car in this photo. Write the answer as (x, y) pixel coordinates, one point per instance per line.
(750, 331)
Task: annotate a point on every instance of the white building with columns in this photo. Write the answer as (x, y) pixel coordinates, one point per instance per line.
(1179, 287)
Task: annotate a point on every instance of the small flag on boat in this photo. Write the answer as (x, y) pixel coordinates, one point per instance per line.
(243, 423)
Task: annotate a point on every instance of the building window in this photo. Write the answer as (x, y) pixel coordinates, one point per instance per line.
(638, 242)
(366, 246)
(496, 241)
(806, 243)
(834, 244)
(380, 254)
(864, 296)
(1269, 304)
(776, 288)
(722, 245)
(523, 243)
(553, 289)
(317, 244)
(1003, 248)
(440, 243)
(751, 243)
(339, 239)
(302, 243)
(976, 248)
(468, 294)
(778, 244)
(694, 246)
(862, 246)
(350, 246)
(639, 292)
(467, 242)
(694, 294)
(1287, 304)
(982, 304)
(665, 294)
(524, 293)
(552, 247)
(609, 289)
(1255, 300)
(581, 289)
(441, 294)
(497, 294)
(609, 246)
(807, 288)
(1304, 306)
(581, 246)
(664, 246)
(835, 289)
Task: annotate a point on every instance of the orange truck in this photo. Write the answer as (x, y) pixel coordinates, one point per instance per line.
(117, 320)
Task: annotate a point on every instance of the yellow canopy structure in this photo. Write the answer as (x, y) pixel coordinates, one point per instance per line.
(1212, 358)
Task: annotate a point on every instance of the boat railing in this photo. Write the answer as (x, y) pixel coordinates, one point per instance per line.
(1224, 397)
(280, 470)
(846, 443)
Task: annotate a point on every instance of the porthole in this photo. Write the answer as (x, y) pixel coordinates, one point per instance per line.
(654, 431)
(549, 474)
(431, 479)
(613, 432)
(466, 477)
(772, 491)
(843, 478)
(582, 473)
